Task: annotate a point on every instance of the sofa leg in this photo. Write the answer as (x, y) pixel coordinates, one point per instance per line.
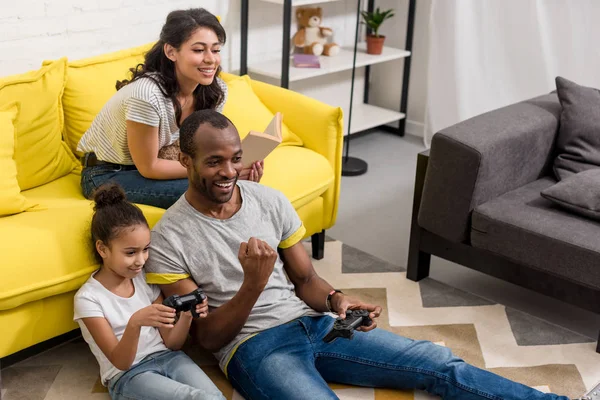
(318, 245)
(598, 344)
(418, 265)
(418, 261)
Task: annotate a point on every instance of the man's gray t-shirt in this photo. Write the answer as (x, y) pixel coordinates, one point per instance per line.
(186, 243)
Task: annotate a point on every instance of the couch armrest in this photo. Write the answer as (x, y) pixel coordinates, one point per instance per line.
(320, 126)
(484, 157)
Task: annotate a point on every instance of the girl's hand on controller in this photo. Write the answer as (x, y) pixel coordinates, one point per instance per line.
(202, 309)
(156, 315)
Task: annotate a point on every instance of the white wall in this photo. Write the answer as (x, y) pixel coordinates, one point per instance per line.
(386, 83)
(35, 30)
(489, 54)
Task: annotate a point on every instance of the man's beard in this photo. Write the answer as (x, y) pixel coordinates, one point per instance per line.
(205, 189)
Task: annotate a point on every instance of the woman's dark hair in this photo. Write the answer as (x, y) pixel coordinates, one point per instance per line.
(112, 214)
(178, 28)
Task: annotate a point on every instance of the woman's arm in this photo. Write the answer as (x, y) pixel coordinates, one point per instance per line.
(142, 141)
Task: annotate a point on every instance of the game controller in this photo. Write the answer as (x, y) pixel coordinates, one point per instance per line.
(344, 328)
(187, 302)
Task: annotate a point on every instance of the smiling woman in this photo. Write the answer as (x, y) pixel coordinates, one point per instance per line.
(127, 139)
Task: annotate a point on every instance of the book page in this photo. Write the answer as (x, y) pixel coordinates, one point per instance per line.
(257, 146)
(274, 127)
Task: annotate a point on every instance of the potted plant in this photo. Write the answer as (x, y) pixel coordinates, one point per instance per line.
(373, 20)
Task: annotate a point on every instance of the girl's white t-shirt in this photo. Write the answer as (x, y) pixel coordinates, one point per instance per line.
(94, 300)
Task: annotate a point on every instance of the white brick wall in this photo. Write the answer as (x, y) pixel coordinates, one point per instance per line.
(35, 30)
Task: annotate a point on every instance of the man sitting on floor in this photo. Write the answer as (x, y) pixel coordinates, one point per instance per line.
(267, 330)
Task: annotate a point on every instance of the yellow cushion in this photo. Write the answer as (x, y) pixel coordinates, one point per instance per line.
(90, 83)
(63, 256)
(11, 200)
(227, 77)
(247, 112)
(311, 215)
(40, 154)
(287, 169)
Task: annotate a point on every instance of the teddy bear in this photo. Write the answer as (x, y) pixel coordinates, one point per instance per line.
(311, 36)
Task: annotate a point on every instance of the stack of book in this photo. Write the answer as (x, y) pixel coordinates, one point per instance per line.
(306, 61)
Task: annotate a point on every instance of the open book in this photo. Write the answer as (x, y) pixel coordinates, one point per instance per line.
(258, 145)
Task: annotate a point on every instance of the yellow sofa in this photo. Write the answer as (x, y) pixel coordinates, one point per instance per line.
(44, 219)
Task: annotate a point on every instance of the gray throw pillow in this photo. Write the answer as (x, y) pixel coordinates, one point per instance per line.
(578, 141)
(579, 193)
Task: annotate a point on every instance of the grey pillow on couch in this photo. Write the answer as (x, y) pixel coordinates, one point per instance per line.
(579, 193)
(578, 141)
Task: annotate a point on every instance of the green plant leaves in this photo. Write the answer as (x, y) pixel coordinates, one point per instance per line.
(374, 19)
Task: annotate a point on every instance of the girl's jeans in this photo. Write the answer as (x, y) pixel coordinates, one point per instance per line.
(164, 375)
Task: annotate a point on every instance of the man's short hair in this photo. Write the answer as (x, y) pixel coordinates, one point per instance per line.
(192, 123)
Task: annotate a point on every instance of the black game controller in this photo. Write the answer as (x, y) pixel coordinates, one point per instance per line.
(187, 302)
(344, 328)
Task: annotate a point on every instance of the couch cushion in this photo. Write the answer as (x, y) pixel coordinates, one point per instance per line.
(90, 83)
(526, 228)
(578, 141)
(301, 174)
(579, 193)
(40, 153)
(49, 252)
(11, 199)
(247, 112)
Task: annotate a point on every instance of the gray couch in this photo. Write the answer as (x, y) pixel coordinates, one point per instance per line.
(477, 202)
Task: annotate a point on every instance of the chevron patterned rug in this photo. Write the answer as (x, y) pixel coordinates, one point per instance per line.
(488, 335)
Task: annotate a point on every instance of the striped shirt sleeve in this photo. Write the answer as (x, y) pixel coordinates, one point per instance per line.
(141, 111)
(221, 104)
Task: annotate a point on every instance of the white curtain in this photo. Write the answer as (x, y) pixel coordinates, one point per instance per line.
(486, 54)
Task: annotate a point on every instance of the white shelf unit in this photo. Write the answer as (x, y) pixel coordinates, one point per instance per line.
(367, 116)
(329, 65)
(364, 116)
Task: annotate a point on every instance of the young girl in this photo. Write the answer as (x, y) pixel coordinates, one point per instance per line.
(180, 75)
(122, 318)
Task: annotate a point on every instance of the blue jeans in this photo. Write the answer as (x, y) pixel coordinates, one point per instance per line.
(153, 192)
(291, 361)
(164, 375)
